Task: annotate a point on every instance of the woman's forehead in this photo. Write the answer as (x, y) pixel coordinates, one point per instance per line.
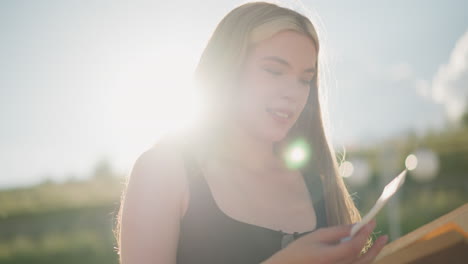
(291, 46)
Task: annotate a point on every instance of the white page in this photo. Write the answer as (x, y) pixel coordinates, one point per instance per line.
(390, 189)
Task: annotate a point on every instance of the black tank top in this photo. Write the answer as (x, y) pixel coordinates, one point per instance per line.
(208, 235)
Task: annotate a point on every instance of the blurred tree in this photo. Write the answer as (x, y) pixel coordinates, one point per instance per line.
(72, 178)
(420, 203)
(464, 119)
(103, 170)
(48, 179)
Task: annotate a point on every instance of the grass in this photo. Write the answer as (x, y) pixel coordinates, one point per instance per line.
(60, 223)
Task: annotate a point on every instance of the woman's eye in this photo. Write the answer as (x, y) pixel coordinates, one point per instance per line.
(273, 71)
(306, 82)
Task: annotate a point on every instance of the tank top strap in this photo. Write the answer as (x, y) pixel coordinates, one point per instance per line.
(190, 164)
(200, 194)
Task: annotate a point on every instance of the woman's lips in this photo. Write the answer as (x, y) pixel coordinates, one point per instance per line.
(280, 114)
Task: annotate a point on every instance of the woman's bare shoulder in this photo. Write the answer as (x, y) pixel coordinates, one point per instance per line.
(161, 163)
(158, 174)
(152, 205)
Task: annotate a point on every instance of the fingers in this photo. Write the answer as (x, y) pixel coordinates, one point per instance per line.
(350, 250)
(370, 255)
(333, 234)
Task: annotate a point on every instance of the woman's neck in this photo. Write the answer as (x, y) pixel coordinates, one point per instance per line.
(242, 149)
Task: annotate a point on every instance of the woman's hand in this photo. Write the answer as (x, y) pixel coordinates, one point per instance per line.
(323, 246)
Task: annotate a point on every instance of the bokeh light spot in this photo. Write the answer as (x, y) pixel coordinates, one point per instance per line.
(428, 165)
(411, 162)
(346, 169)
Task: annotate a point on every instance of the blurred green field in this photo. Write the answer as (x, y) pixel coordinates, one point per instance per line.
(60, 223)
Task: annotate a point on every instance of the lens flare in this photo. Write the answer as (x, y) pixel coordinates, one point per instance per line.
(297, 154)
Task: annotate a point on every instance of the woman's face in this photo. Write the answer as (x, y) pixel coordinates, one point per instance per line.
(274, 84)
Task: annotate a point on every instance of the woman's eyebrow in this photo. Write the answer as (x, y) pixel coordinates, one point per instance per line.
(284, 62)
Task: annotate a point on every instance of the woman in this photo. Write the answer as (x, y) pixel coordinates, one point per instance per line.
(226, 191)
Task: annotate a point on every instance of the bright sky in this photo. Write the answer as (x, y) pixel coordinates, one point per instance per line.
(86, 80)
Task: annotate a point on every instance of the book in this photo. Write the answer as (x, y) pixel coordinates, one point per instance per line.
(444, 240)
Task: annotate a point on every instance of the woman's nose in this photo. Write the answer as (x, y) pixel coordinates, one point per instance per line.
(292, 89)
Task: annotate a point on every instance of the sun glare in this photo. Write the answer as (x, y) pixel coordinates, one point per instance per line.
(157, 94)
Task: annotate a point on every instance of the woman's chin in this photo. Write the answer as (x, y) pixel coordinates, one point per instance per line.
(276, 136)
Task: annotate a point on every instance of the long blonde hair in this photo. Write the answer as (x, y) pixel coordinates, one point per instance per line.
(218, 68)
